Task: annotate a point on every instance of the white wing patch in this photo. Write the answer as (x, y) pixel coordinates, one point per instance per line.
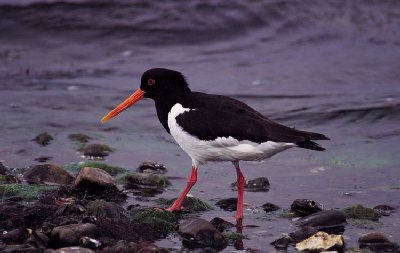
(222, 148)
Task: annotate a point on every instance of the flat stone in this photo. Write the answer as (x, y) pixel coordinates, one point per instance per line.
(302, 233)
(320, 241)
(94, 177)
(197, 232)
(323, 219)
(47, 174)
(69, 235)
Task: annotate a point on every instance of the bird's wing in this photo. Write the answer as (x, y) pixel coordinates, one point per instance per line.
(214, 116)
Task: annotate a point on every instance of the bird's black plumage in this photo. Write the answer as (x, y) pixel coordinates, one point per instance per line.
(213, 116)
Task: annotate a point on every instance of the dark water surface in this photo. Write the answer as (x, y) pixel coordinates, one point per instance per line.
(325, 66)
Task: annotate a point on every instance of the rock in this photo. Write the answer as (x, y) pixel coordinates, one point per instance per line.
(96, 150)
(43, 139)
(302, 233)
(112, 170)
(69, 235)
(122, 246)
(228, 204)
(16, 236)
(282, 243)
(9, 179)
(269, 207)
(377, 242)
(373, 237)
(320, 241)
(150, 167)
(221, 224)
(255, 185)
(323, 220)
(43, 159)
(74, 249)
(190, 204)
(361, 212)
(47, 174)
(197, 232)
(384, 210)
(3, 169)
(145, 181)
(305, 207)
(26, 192)
(101, 208)
(161, 219)
(82, 138)
(88, 242)
(92, 177)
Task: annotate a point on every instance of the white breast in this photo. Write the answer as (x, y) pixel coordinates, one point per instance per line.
(222, 148)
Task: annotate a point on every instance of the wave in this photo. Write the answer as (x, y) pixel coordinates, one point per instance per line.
(157, 22)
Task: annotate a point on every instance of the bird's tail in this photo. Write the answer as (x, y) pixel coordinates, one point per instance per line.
(309, 144)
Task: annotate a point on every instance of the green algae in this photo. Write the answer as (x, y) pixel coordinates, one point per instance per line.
(27, 192)
(361, 212)
(190, 204)
(161, 219)
(77, 166)
(143, 180)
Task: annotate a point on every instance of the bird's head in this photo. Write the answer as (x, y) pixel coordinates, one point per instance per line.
(156, 83)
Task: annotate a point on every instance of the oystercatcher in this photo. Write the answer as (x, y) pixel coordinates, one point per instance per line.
(214, 127)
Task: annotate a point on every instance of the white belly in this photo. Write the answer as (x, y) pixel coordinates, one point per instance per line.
(222, 148)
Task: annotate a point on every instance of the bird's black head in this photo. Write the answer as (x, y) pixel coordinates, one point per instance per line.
(159, 82)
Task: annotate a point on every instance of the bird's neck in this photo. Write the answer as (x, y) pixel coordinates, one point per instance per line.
(164, 105)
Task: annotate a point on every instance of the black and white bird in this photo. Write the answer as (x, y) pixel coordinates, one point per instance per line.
(214, 127)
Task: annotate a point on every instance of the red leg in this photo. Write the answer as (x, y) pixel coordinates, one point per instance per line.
(240, 187)
(192, 180)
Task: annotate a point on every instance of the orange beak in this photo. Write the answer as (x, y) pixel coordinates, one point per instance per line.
(136, 96)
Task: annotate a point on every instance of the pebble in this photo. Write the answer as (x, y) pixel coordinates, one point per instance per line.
(305, 207)
(69, 235)
(323, 219)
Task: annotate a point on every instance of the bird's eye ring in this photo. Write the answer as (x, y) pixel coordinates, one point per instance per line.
(151, 82)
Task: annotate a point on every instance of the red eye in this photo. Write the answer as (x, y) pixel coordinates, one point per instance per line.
(151, 81)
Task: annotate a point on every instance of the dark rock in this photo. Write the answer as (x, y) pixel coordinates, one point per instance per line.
(302, 233)
(122, 246)
(69, 235)
(150, 167)
(204, 250)
(18, 248)
(43, 159)
(16, 236)
(96, 150)
(229, 204)
(384, 210)
(3, 169)
(221, 224)
(88, 242)
(255, 185)
(323, 220)
(43, 139)
(94, 178)
(282, 243)
(361, 212)
(82, 138)
(373, 237)
(305, 207)
(377, 242)
(11, 214)
(197, 232)
(9, 179)
(47, 174)
(269, 207)
(70, 250)
(101, 208)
